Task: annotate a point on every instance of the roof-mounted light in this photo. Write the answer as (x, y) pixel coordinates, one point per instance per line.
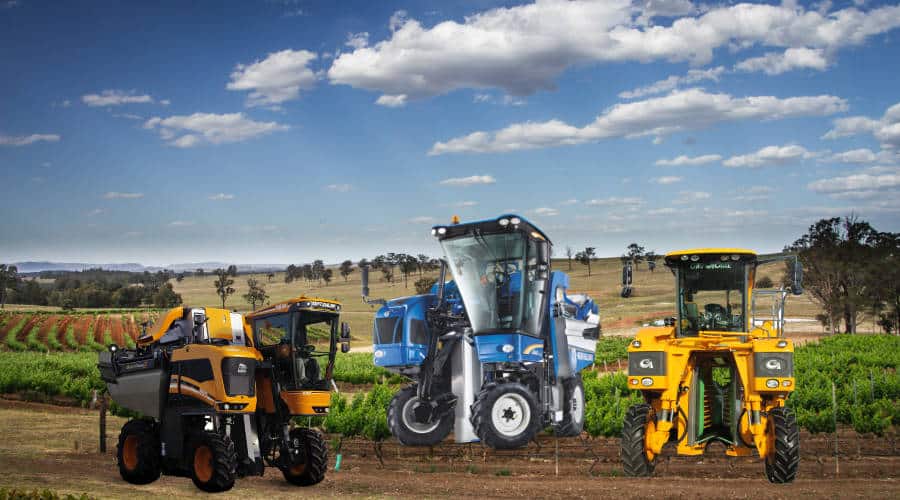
(442, 230)
(684, 257)
(735, 257)
(695, 258)
(434, 232)
(503, 222)
(515, 221)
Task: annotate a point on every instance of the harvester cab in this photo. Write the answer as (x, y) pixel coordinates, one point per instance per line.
(217, 391)
(496, 353)
(719, 371)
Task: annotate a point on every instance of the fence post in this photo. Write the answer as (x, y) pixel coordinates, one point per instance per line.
(837, 468)
(103, 404)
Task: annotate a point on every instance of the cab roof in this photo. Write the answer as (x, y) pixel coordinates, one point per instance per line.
(492, 226)
(301, 302)
(673, 256)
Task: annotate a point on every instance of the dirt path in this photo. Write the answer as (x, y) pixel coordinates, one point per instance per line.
(11, 321)
(82, 327)
(42, 446)
(33, 321)
(117, 329)
(44, 333)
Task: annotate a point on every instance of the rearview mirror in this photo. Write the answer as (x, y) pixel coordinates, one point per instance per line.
(345, 347)
(345, 332)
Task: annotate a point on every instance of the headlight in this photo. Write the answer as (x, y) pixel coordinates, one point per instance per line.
(634, 381)
(507, 348)
(442, 230)
(771, 383)
(786, 383)
(636, 343)
(781, 344)
(379, 353)
(647, 381)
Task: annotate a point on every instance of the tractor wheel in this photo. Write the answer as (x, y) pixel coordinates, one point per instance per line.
(403, 425)
(784, 455)
(634, 433)
(314, 462)
(213, 462)
(138, 452)
(506, 415)
(573, 416)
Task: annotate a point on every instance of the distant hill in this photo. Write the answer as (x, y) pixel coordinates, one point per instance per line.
(36, 267)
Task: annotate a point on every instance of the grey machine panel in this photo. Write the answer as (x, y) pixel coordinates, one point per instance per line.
(141, 391)
(465, 383)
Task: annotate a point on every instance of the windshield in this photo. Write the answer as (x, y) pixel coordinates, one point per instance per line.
(298, 328)
(489, 271)
(711, 296)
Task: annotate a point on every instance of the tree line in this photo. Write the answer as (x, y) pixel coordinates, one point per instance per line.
(88, 288)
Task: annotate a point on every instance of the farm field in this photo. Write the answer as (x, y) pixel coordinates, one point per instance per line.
(48, 447)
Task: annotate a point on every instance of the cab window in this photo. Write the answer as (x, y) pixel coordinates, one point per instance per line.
(272, 330)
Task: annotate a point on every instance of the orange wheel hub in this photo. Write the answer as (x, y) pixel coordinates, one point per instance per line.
(203, 468)
(130, 452)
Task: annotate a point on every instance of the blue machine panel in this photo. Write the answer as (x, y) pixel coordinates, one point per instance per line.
(400, 334)
(521, 348)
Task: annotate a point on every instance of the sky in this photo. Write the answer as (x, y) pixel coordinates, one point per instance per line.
(286, 131)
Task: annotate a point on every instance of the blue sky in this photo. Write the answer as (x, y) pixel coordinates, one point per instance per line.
(275, 132)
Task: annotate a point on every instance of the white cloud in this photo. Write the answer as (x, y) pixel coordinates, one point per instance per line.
(661, 211)
(422, 220)
(545, 211)
(615, 201)
(95, 212)
(754, 193)
(683, 160)
(859, 185)
(864, 155)
(523, 49)
(391, 101)
(115, 98)
(666, 179)
(773, 63)
(276, 79)
(570, 201)
(357, 40)
(686, 197)
(679, 111)
(465, 204)
(210, 128)
(221, 197)
(130, 116)
(673, 82)
(886, 129)
(469, 181)
(181, 223)
(25, 140)
(117, 195)
(339, 188)
(770, 155)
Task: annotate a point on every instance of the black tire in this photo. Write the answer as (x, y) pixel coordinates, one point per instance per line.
(634, 430)
(573, 408)
(518, 398)
(315, 460)
(138, 452)
(409, 432)
(213, 462)
(784, 460)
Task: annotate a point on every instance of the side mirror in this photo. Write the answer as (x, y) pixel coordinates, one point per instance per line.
(345, 332)
(345, 347)
(364, 271)
(626, 275)
(797, 281)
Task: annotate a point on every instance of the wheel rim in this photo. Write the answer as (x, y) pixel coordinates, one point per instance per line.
(511, 414)
(577, 405)
(130, 452)
(409, 419)
(203, 468)
(298, 469)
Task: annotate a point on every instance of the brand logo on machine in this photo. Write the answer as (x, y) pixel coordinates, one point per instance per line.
(712, 266)
(773, 364)
(584, 356)
(646, 363)
(241, 369)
